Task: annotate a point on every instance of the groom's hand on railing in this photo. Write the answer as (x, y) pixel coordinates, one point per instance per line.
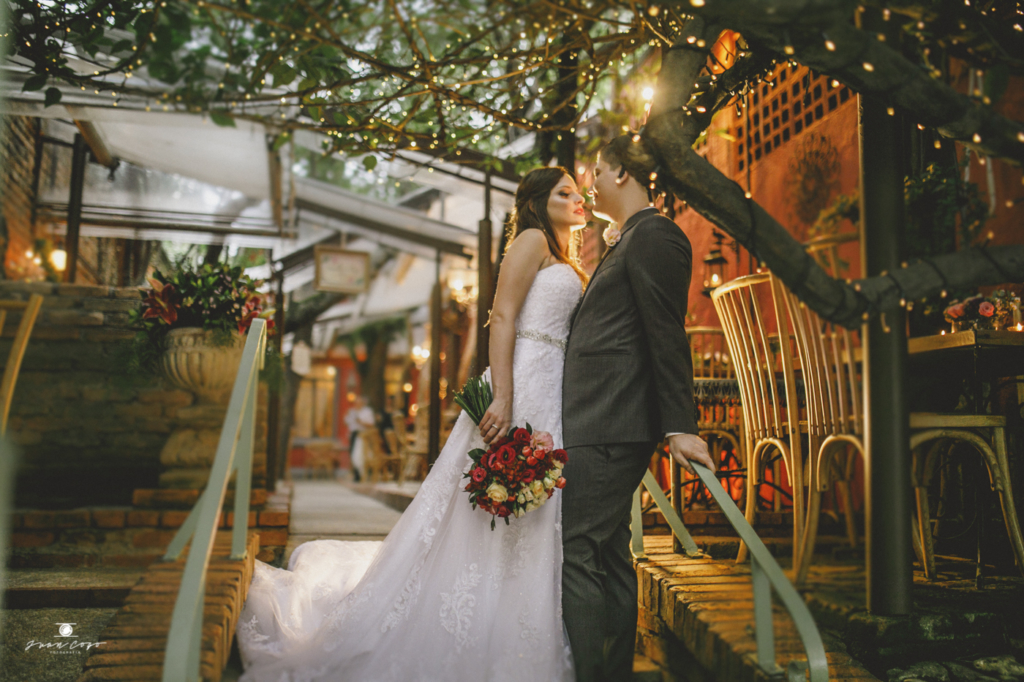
(687, 446)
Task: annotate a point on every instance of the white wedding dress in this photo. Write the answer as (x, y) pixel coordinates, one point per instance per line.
(443, 598)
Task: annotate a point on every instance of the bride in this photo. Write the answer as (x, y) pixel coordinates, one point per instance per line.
(444, 597)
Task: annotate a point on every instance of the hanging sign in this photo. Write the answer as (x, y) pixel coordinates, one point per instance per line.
(340, 270)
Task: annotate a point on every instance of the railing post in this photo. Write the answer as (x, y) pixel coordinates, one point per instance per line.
(243, 468)
(764, 629)
(636, 526)
(184, 639)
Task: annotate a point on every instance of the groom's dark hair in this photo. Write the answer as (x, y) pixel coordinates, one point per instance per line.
(630, 153)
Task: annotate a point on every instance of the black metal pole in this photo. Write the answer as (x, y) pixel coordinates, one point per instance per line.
(78, 160)
(434, 442)
(888, 505)
(485, 281)
(274, 395)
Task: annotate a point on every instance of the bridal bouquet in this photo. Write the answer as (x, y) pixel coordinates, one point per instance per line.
(516, 473)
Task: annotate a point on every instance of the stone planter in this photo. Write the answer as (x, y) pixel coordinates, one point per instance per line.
(194, 363)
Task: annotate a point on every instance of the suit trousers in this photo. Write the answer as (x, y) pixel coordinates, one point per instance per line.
(599, 585)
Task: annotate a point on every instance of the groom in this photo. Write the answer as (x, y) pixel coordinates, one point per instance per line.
(628, 384)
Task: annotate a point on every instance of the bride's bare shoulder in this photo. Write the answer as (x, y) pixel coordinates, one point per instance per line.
(529, 247)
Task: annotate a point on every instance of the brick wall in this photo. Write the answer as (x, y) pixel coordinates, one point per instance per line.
(17, 141)
(89, 433)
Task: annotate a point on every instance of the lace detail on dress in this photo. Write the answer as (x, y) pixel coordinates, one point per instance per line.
(457, 606)
(405, 601)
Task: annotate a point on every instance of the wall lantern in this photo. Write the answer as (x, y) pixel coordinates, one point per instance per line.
(714, 265)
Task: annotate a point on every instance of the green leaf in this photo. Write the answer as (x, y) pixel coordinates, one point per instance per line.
(35, 83)
(369, 162)
(314, 112)
(122, 46)
(281, 140)
(222, 118)
(53, 96)
(283, 74)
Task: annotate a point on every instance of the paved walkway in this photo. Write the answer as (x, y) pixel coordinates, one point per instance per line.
(328, 510)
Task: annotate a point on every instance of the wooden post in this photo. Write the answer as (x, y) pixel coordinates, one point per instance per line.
(434, 442)
(78, 160)
(485, 277)
(887, 427)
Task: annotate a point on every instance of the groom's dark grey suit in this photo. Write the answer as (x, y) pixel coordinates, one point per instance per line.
(628, 381)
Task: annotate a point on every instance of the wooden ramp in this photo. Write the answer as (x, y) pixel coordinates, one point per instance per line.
(702, 611)
(137, 634)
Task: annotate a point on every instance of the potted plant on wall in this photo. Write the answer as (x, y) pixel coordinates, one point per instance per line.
(192, 327)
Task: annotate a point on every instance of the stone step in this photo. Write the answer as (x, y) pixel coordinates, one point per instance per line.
(185, 498)
(136, 635)
(645, 670)
(726, 547)
(64, 588)
(696, 615)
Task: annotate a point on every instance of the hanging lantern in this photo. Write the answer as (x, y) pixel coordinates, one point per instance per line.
(714, 265)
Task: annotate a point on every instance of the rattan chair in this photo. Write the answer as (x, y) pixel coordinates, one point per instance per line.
(764, 366)
(829, 356)
(720, 418)
(379, 464)
(29, 312)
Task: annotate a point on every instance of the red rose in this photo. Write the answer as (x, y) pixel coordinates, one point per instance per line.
(560, 483)
(532, 461)
(561, 455)
(494, 462)
(986, 309)
(521, 436)
(527, 451)
(479, 474)
(529, 476)
(503, 511)
(506, 454)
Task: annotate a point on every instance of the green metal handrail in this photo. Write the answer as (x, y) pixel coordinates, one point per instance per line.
(765, 574)
(234, 454)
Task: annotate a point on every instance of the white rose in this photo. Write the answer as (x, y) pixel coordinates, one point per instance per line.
(497, 493)
(537, 488)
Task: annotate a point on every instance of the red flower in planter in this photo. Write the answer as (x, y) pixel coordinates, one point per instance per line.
(160, 303)
(251, 311)
(986, 309)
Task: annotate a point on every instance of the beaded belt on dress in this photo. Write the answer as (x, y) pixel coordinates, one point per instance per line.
(540, 336)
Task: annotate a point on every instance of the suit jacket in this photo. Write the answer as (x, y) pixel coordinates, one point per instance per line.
(628, 369)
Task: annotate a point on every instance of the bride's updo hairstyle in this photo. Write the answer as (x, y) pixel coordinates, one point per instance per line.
(531, 213)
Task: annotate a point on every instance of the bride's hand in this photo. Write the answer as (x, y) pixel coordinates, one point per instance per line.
(496, 420)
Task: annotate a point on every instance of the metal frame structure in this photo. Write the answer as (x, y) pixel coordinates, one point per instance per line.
(234, 453)
(766, 575)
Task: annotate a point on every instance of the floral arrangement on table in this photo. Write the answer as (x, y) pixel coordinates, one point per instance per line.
(999, 310)
(218, 298)
(516, 473)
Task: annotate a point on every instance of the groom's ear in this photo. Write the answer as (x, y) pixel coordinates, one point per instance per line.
(622, 177)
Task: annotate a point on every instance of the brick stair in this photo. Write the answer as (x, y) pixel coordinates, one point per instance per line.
(135, 638)
(699, 612)
(131, 537)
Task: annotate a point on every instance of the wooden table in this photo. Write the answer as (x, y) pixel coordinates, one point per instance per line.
(976, 356)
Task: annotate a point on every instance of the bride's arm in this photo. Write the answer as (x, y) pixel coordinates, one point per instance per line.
(522, 261)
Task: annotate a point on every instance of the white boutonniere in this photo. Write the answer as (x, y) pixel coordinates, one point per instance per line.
(611, 235)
